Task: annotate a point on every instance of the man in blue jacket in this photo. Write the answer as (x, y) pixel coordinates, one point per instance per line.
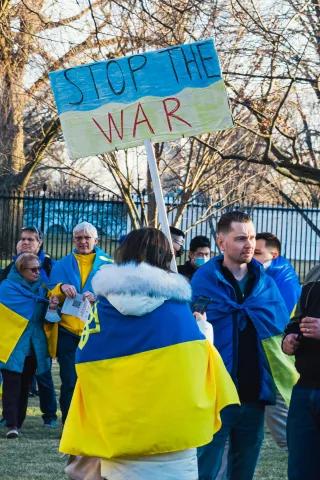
(248, 315)
(268, 252)
(72, 275)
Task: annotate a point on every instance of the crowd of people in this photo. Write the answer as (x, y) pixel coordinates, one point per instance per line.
(173, 375)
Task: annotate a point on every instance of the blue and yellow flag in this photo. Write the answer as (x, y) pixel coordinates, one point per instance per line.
(15, 312)
(268, 313)
(12, 326)
(146, 385)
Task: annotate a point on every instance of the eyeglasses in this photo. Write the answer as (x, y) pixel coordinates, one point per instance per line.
(34, 229)
(178, 242)
(33, 269)
(79, 239)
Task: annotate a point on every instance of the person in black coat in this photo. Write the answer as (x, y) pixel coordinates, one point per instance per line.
(199, 254)
(302, 339)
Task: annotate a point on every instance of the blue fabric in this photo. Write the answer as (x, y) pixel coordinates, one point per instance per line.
(66, 350)
(244, 426)
(47, 396)
(264, 306)
(66, 270)
(303, 434)
(21, 296)
(27, 299)
(286, 280)
(162, 79)
(169, 324)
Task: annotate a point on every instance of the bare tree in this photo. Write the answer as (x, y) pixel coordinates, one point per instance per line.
(269, 58)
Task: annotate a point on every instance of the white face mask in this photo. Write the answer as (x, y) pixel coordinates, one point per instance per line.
(267, 264)
(52, 316)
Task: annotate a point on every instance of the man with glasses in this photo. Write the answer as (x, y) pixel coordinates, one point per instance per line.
(31, 241)
(70, 276)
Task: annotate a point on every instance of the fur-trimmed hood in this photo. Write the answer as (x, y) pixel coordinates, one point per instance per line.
(138, 289)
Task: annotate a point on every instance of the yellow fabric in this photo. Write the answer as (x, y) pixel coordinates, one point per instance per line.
(51, 331)
(282, 366)
(85, 263)
(69, 322)
(12, 326)
(162, 400)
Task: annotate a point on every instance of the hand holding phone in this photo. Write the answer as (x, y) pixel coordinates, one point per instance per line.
(200, 304)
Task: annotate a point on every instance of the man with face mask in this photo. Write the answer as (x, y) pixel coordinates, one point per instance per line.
(199, 254)
(268, 252)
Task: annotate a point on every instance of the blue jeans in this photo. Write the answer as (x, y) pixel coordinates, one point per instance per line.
(66, 351)
(244, 427)
(276, 419)
(47, 396)
(303, 434)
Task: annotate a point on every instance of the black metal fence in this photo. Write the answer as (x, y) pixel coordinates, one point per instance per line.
(57, 214)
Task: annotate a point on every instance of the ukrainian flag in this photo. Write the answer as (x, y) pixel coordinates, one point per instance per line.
(15, 313)
(146, 385)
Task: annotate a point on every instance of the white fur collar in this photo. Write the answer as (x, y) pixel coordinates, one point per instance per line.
(141, 280)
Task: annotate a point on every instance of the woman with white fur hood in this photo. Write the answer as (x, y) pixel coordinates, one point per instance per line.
(150, 386)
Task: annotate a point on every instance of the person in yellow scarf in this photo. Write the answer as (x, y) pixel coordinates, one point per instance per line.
(71, 275)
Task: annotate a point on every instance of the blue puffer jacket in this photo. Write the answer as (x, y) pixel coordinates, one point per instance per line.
(264, 306)
(32, 295)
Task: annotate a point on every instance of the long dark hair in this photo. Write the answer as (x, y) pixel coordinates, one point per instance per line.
(148, 245)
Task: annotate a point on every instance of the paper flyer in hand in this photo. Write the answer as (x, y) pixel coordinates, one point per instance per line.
(77, 307)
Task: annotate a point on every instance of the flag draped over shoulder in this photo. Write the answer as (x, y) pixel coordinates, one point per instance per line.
(146, 384)
(286, 280)
(266, 309)
(15, 313)
(269, 321)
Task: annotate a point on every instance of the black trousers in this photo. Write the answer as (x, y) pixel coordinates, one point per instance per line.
(15, 392)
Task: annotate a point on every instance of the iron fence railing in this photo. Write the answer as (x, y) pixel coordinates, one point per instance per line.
(56, 214)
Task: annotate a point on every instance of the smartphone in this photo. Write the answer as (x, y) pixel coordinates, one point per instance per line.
(200, 304)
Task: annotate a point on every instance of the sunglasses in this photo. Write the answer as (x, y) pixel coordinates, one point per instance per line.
(33, 269)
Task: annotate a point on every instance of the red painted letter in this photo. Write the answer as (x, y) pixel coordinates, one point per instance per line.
(111, 121)
(136, 122)
(171, 112)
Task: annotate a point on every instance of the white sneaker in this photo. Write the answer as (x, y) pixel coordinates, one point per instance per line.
(12, 433)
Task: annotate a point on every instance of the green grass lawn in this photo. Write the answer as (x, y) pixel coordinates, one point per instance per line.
(35, 456)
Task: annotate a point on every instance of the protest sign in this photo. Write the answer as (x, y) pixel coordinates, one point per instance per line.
(151, 96)
(161, 95)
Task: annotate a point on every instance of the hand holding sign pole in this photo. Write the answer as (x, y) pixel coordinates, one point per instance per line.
(121, 103)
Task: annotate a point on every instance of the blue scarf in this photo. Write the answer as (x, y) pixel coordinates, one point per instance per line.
(21, 296)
